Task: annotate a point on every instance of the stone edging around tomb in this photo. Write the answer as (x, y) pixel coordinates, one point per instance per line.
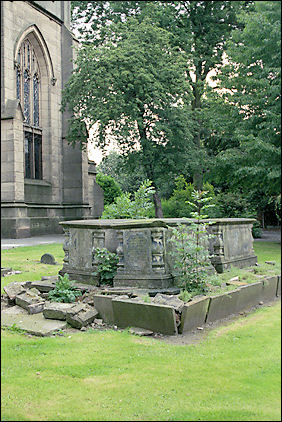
(162, 318)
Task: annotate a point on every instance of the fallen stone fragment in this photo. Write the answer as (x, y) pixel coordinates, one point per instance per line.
(234, 279)
(5, 271)
(13, 289)
(236, 283)
(27, 298)
(35, 308)
(169, 300)
(270, 262)
(140, 331)
(98, 321)
(199, 328)
(81, 315)
(50, 277)
(56, 310)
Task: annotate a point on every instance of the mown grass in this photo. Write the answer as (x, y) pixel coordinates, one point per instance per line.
(234, 375)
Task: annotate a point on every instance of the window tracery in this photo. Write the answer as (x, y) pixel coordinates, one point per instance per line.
(28, 93)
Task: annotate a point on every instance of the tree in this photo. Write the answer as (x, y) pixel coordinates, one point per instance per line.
(249, 92)
(198, 28)
(134, 86)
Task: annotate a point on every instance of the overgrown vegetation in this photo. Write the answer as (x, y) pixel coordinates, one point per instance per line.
(106, 266)
(64, 290)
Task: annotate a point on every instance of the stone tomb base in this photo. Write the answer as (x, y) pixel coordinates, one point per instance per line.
(144, 248)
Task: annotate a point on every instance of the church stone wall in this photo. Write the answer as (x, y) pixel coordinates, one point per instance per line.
(31, 207)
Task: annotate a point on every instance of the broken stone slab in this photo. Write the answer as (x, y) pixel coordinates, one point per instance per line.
(50, 277)
(13, 289)
(57, 310)
(169, 300)
(80, 316)
(28, 298)
(34, 324)
(235, 282)
(194, 314)
(48, 258)
(140, 331)
(43, 286)
(167, 291)
(151, 316)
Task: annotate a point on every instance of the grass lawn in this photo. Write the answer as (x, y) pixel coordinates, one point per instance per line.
(232, 375)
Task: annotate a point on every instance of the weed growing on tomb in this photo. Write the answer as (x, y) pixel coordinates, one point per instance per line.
(64, 291)
(185, 296)
(106, 266)
(190, 252)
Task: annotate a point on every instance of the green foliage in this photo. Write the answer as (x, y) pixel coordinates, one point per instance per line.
(190, 252)
(256, 230)
(106, 266)
(138, 207)
(177, 206)
(146, 299)
(110, 187)
(64, 291)
(185, 296)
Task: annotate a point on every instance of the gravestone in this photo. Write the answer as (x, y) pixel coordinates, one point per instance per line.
(48, 258)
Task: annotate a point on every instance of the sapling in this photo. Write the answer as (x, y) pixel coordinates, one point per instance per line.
(190, 252)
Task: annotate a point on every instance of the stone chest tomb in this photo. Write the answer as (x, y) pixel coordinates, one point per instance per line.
(143, 248)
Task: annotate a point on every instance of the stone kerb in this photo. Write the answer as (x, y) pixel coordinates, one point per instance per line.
(157, 318)
(269, 290)
(104, 306)
(221, 306)
(278, 291)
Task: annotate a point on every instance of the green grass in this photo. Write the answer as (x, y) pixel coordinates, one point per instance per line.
(27, 260)
(233, 375)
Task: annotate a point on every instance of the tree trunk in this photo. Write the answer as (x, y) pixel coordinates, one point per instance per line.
(158, 205)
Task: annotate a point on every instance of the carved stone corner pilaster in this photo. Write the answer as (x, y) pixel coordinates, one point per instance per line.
(120, 252)
(157, 248)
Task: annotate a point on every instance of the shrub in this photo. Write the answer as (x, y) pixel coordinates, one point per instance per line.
(110, 187)
(138, 207)
(106, 263)
(178, 205)
(64, 291)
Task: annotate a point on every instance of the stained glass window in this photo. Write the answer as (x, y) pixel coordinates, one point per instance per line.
(28, 92)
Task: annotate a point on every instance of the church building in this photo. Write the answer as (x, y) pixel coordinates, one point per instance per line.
(43, 179)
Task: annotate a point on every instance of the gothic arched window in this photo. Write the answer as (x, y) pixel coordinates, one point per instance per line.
(28, 93)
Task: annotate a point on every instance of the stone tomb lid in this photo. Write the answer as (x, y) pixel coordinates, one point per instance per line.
(146, 223)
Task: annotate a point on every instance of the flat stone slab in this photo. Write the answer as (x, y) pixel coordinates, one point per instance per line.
(194, 314)
(221, 306)
(15, 310)
(34, 324)
(104, 306)
(157, 318)
(269, 288)
(56, 310)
